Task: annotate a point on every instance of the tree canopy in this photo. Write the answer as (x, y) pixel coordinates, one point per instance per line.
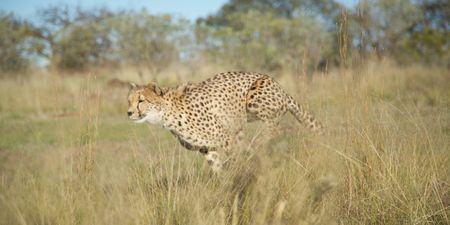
(247, 34)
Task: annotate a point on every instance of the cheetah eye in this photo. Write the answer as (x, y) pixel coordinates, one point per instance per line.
(140, 101)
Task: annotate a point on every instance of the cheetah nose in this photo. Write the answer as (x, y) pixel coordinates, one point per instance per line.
(130, 113)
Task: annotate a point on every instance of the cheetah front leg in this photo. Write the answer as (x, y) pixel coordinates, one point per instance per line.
(214, 160)
(272, 129)
(220, 157)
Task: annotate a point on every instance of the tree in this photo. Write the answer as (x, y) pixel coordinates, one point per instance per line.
(147, 40)
(80, 38)
(429, 38)
(262, 37)
(326, 9)
(17, 43)
(407, 30)
(76, 38)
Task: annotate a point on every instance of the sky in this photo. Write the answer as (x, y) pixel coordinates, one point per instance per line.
(190, 9)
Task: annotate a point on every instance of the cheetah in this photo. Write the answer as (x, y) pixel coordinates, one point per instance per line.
(208, 116)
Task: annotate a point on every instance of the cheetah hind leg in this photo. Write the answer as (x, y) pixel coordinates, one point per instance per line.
(266, 101)
(270, 131)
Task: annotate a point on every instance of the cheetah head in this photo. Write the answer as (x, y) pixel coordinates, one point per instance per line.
(145, 103)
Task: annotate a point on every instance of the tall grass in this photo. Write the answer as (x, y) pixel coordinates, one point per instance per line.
(68, 155)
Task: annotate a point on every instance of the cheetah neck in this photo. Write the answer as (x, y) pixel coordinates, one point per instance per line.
(173, 106)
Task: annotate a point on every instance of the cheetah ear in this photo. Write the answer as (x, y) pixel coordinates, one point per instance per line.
(158, 91)
(152, 86)
(132, 85)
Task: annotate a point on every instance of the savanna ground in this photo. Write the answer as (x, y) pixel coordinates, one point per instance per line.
(69, 155)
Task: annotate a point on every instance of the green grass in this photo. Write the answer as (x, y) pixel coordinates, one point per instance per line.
(68, 155)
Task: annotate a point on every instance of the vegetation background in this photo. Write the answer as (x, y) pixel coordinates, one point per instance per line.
(377, 75)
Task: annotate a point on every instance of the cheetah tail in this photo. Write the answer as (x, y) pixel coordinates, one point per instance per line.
(303, 116)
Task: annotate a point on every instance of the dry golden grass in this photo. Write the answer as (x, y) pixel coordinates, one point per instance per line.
(69, 155)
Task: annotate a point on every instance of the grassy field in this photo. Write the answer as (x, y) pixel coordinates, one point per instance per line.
(69, 155)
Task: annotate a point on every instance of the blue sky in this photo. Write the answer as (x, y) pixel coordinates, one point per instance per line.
(191, 9)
